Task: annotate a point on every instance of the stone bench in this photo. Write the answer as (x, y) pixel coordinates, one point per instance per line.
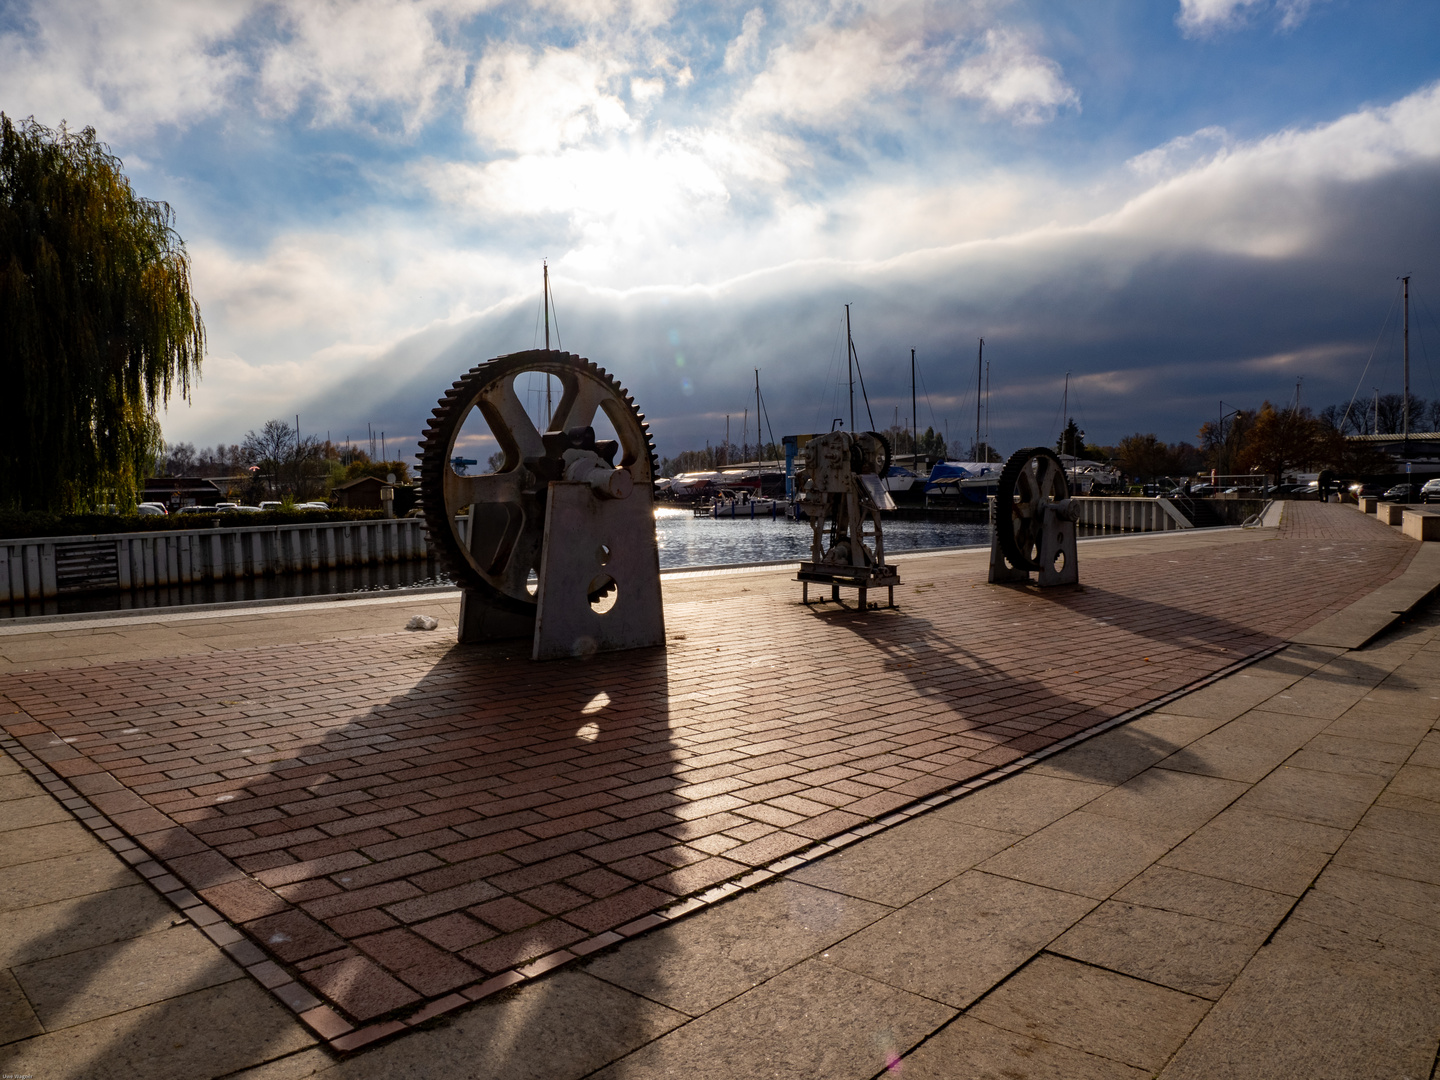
(1421, 525)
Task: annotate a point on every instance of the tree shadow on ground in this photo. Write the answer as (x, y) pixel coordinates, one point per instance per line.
(444, 815)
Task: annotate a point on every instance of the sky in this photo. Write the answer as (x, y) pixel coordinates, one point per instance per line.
(1176, 203)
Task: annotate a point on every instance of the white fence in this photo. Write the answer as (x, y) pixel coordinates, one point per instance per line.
(42, 567)
(1130, 515)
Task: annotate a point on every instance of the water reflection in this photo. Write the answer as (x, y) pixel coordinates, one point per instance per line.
(686, 540)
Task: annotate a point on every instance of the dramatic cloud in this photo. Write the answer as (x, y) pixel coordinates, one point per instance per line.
(1211, 283)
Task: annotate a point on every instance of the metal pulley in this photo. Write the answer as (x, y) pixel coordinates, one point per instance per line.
(558, 543)
(1034, 521)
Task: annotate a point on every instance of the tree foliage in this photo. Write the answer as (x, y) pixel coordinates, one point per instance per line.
(1147, 458)
(100, 326)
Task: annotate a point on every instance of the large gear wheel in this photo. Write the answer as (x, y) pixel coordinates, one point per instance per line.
(1031, 478)
(506, 509)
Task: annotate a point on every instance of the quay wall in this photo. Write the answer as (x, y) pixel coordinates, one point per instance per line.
(35, 568)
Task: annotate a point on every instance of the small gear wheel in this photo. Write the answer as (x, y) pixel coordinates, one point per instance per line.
(498, 548)
(1030, 478)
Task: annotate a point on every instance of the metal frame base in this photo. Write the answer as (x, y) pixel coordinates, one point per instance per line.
(860, 578)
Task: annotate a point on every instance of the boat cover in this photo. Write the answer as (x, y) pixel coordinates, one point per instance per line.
(947, 473)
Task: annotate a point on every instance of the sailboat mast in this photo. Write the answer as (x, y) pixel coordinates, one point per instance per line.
(758, 440)
(979, 370)
(1405, 412)
(545, 298)
(914, 416)
(850, 361)
(1065, 410)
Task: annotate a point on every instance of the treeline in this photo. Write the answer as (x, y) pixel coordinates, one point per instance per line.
(1383, 414)
(1272, 441)
(275, 461)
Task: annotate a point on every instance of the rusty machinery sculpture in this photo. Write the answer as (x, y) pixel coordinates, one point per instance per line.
(559, 543)
(842, 493)
(1034, 526)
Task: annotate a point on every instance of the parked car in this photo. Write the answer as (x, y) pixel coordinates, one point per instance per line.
(227, 506)
(312, 506)
(1431, 491)
(152, 509)
(269, 504)
(196, 510)
(1402, 493)
(245, 509)
(1360, 491)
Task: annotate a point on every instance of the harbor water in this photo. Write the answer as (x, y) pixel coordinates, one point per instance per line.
(687, 540)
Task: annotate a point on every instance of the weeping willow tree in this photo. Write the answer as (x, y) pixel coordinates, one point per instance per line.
(98, 327)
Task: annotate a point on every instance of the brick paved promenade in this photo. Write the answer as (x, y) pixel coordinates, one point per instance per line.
(393, 818)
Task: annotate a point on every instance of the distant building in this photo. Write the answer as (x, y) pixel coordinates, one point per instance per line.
(362, 493)
(178, 491)
(1419, 446)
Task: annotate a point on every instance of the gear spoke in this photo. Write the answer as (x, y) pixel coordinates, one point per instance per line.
(582, 411)
(514, 421)
(486, 488)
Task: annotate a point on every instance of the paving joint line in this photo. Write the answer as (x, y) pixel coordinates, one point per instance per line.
(343, 1037)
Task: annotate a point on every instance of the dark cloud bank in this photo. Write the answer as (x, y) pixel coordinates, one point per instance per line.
(1154, 331)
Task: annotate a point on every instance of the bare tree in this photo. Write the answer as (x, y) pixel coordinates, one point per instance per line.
(271, 448)
(180, 459)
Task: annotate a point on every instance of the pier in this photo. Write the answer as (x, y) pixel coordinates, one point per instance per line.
(1179, 821)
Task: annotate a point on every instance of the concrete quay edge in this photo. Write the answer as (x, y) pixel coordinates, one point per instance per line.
(1370, 616)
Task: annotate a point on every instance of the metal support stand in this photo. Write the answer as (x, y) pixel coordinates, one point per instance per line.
(819, 576)
(603, 540)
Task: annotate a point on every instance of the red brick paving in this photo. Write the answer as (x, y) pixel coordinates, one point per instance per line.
(397, 817)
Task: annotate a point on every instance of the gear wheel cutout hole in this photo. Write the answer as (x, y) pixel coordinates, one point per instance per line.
(476, 442)
(603, 554)
(611, 593)
(532, 583)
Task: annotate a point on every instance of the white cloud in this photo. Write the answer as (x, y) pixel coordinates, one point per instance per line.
(823, 78)
(529, 102)
(744, 51)
(358, 55)
(638, 14)
(1200, 17)
(1013, 80)
(1180, 154)
(122, 67)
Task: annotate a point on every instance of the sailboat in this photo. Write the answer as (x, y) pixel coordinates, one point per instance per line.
(969, 481)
